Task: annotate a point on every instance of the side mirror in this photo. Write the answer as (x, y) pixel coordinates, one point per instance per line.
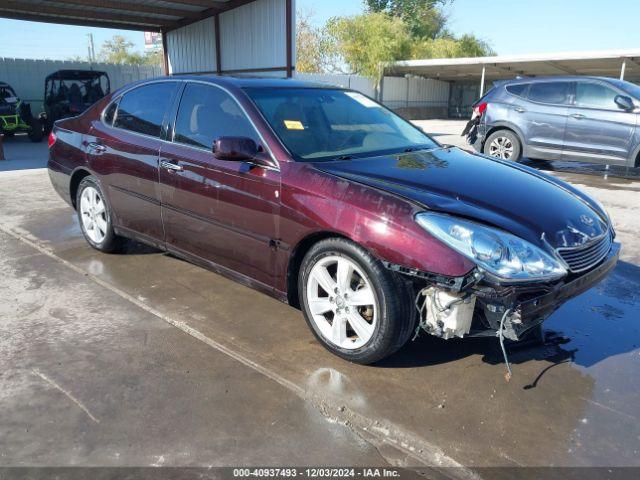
(624, 102)
(241, 149)
(238, 149)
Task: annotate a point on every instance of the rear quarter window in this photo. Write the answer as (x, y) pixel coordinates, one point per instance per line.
(519, 90)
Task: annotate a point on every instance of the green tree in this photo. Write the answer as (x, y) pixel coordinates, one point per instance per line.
(424, 18)
(118, 50)
(451, 47)
(366, 41)
(309, 51)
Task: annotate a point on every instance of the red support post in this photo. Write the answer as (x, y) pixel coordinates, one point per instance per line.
(289, 33)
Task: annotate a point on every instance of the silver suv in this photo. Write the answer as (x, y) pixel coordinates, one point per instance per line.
(588, 119)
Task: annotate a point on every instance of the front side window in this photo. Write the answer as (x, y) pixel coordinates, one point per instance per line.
(143, 110)
(324, 124)
(550, 92)
(207, 113)
(595, 95)
(628, 87)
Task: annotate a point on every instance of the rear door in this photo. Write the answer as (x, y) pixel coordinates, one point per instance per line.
(545, 117)
(597, 129)
(123, 149)
(225, 212)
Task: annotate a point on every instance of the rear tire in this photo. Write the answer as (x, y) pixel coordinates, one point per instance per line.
(94, 215)
(503, 144)
(340, 281)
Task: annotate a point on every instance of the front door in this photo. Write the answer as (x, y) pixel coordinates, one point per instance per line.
(123, 149)
(597, 129)
(223, 212)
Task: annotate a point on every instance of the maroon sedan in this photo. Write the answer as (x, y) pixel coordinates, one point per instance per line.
(326, 200)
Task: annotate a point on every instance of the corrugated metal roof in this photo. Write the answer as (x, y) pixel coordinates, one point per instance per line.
(606, 63)
(147, 15)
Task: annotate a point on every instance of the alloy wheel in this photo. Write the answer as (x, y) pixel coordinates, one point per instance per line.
(501, 147)
(342, 302)
(94, 214)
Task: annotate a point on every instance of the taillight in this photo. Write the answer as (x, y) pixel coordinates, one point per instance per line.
(52, 139)
(479, 110)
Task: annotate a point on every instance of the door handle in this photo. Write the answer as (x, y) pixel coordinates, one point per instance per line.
(578, 116)
(96, 147)
(171, 167)
(519, 109)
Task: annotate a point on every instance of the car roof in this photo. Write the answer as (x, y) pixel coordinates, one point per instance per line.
(75, 74)
(255, 82)
(569, 78)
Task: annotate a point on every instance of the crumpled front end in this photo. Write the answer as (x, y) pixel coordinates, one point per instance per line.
(481, 305)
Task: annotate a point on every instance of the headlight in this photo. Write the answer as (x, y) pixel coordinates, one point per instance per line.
(499, 253)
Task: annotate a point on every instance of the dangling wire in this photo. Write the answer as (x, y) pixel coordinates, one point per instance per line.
(507, 376)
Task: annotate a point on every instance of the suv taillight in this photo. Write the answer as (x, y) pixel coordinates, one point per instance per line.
(480, 108)
(52, 139)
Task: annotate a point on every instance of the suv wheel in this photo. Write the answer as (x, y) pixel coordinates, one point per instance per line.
(355, 307)
(503, 144)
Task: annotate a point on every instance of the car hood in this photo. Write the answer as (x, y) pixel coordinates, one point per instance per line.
(527, 203)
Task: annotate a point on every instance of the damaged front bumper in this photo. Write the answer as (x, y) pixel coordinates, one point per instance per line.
(513, 309)
(531, 304)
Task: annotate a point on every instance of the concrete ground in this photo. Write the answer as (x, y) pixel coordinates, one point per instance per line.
(143, 359)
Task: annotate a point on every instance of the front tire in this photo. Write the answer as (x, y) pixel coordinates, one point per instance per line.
(503, 144)
(355, 307)
(95, 217)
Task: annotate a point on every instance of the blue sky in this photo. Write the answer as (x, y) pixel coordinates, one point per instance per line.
(510, 26)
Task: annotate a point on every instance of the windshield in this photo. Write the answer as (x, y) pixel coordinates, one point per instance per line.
(323, 124)
(631, 88)
(83, 92)
(7, 94)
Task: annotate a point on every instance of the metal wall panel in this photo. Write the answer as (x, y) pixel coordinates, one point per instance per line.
(192, 48)
(427, 92)
(398, 92)
(27, 76)
(254, 36)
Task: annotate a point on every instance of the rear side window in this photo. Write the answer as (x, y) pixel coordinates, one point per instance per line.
(143, 110)
(550, 92)
(519, 90)
(207, 113)
(595, 95)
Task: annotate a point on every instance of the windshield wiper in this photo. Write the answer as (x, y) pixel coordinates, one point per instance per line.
(345, 157)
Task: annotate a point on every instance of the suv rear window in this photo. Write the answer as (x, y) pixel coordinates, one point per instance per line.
(550, 92)
(519, 90)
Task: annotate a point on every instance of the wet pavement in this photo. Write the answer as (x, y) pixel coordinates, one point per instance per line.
(86, 319)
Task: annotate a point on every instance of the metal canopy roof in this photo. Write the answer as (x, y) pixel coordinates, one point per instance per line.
(145, 15)
(597, 63)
